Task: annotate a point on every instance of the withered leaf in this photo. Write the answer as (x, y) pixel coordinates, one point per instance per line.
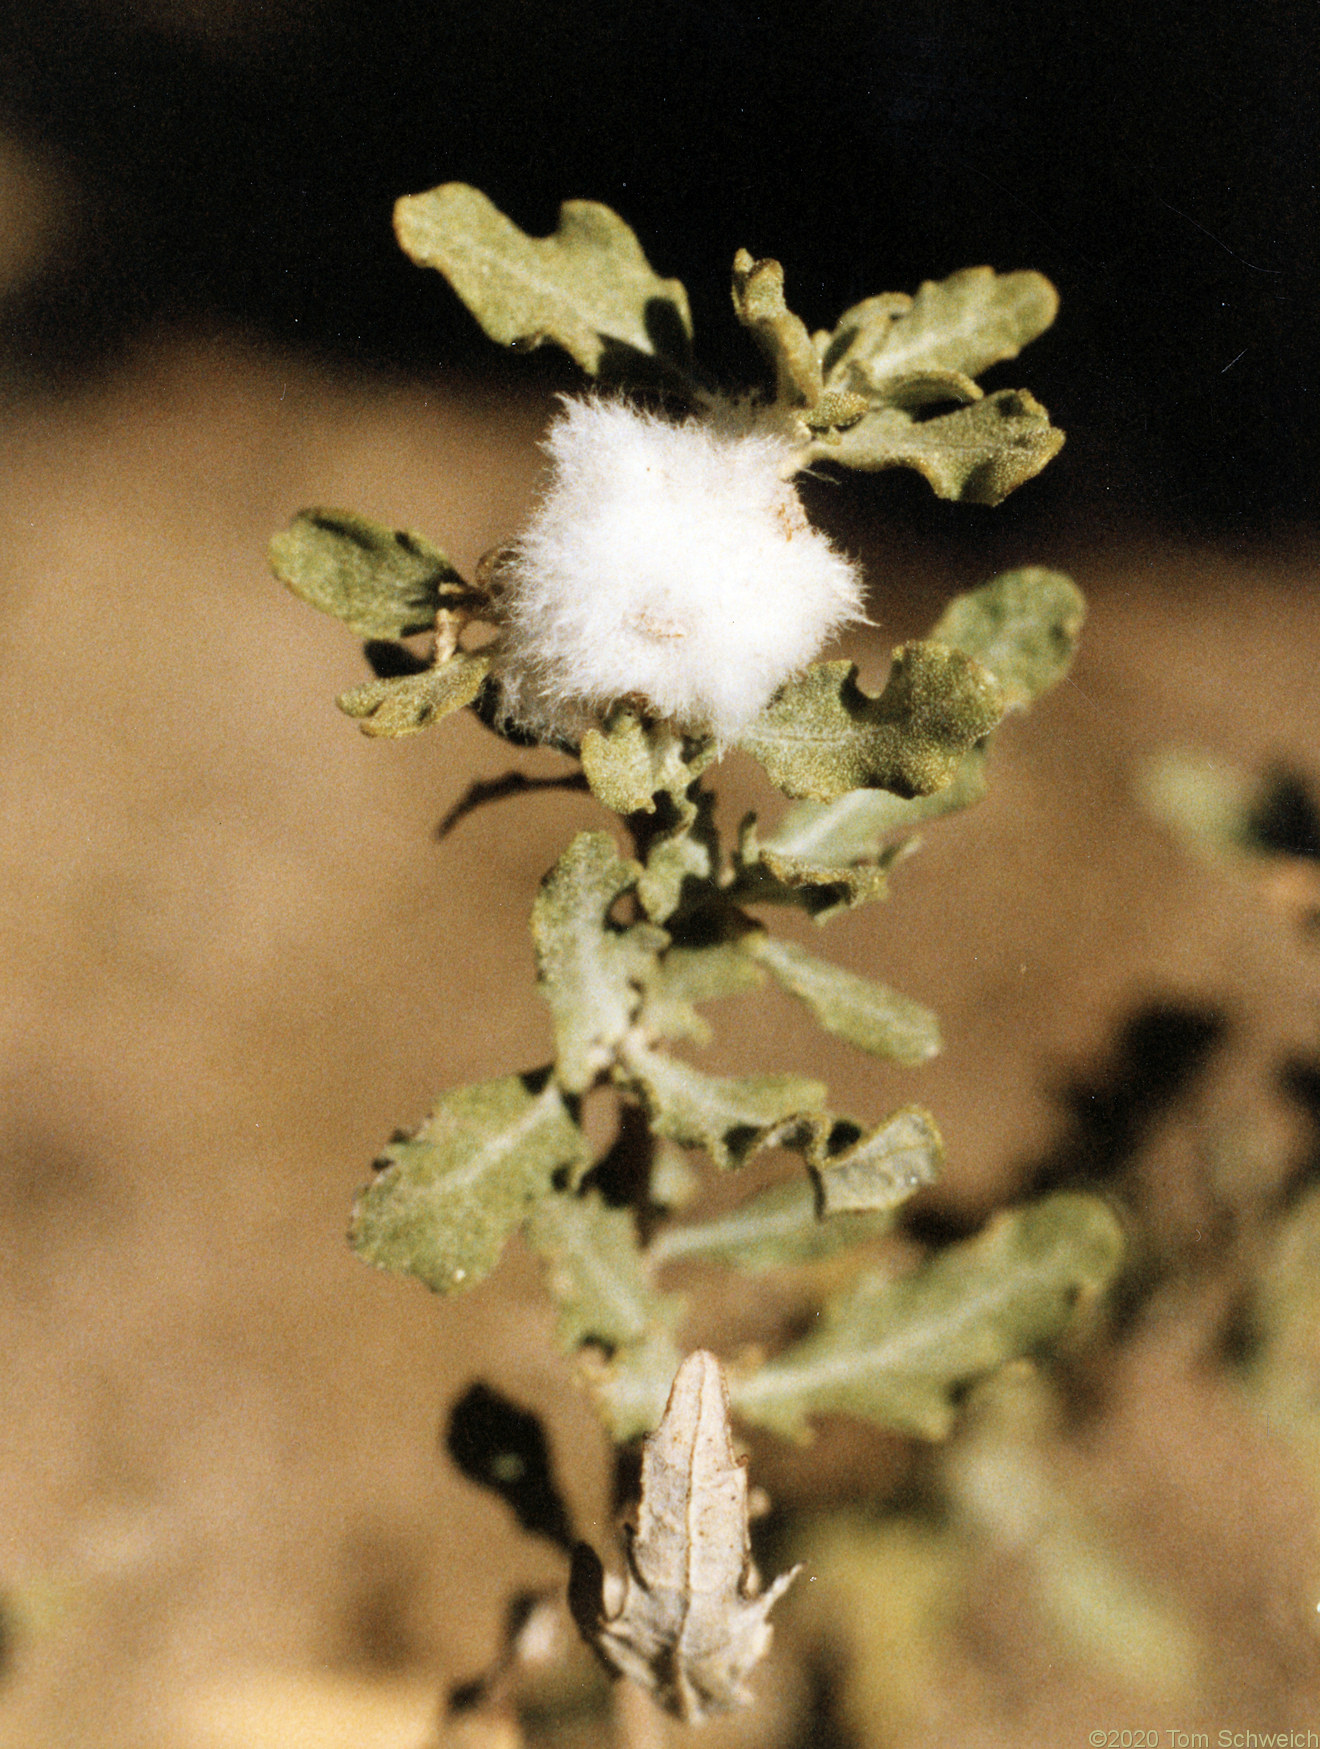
(688, 1621)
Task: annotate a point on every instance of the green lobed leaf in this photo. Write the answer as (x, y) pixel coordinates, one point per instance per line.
(730, 1116)
(382, 582)
(847, 834)
(1023, 626)
(777, 1228)
(588, 287)
(629, 762)
(882, 1169)
(897, 1352)
(836, 410)
(929, 388)
(633, 765)
(978, 454)
(763, 878)
(828, 857)
(590, 970)
(965, 323)
(867, 1014)
(758, 300)
(821, 735)
(672, 861)
(448, 1196)
(412, 702)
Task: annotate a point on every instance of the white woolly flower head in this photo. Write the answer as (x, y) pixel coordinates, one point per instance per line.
(668, 564)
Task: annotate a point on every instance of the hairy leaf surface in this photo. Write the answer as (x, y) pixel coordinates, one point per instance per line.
(849, 833)
(828, 857)
(963, 324)
(584, 287)
(764, 878)
(776, 1228)
(629, 1389)
(867, 1014)
(688, 853)
(1023, 626)
(685, 976)
(758, 300)
(448, 1196)
(590, 971)
(382, 582)
(821, 735)
(729, 1116)
(632, 765)
(882, 1169)
(979, 453)
(412, 702)
(629, 763)
(896, 1352)
(601, 1282)
(596, 1273)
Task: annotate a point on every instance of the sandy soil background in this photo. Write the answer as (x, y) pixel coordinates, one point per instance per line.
(236, 958)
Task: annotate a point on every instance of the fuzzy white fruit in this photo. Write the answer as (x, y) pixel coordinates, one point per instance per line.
(671, 565)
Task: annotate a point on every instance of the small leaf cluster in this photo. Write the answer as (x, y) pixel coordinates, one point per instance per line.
(891, 385)
(631, 944)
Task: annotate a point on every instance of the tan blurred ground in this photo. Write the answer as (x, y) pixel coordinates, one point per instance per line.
(236, 958)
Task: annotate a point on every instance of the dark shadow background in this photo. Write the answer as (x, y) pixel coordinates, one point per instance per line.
(1157, 160)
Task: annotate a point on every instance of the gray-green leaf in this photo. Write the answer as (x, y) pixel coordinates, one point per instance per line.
(591, 972)
(821, 735)
(758, 300)
(448, 1197)
(629, 762)
(596, 1273)
(630, 1388)
(382, 582)
(1023, 626)
(965, 323)
(978, 454)
(865, 1013)
(586, 287)
(685, 976)
(411, 702)
(880, 1171)
(778, 1227)
(729, 1116)
(848, 833)
(600, 1281)
(897, 1352)
(763, 878)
